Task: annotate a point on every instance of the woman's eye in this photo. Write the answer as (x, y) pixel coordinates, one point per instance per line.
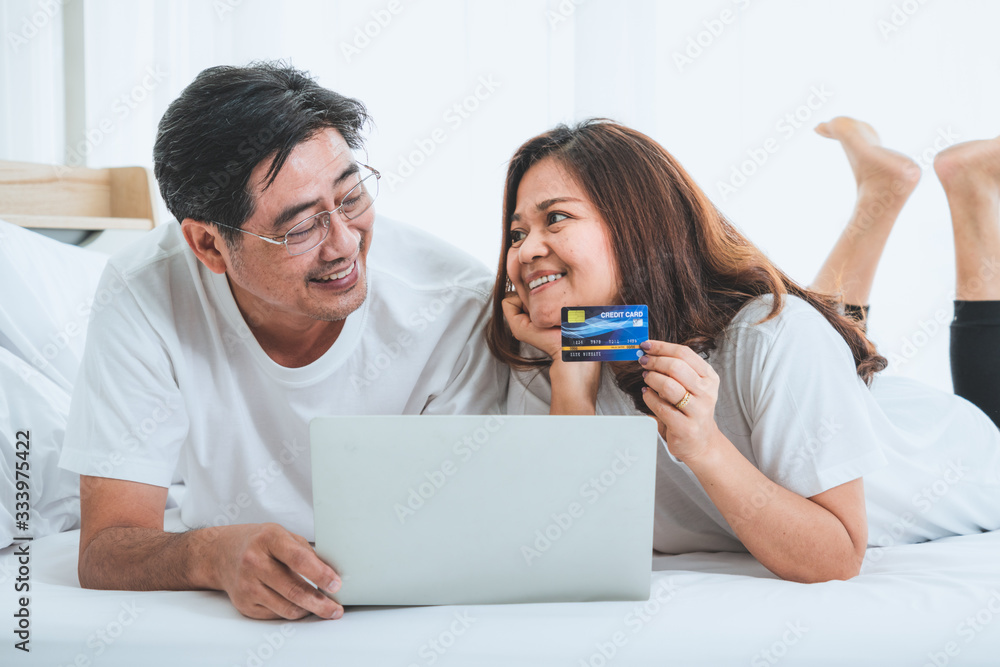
(555, 217)
(516, 236)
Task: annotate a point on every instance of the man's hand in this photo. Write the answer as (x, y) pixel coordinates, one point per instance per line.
(263, 567)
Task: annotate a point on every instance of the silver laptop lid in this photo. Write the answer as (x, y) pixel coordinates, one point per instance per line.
(419, 510)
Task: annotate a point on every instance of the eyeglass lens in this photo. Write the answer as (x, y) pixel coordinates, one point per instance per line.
(309, 233)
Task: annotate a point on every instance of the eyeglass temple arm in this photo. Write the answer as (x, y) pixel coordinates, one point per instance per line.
(266, 238)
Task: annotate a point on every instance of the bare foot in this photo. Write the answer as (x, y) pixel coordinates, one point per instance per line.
(876, 169)
(970, 169)
(885, 181)
(970, 174)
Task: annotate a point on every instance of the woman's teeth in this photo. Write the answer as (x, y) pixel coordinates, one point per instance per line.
(337, 276)
(545, 279)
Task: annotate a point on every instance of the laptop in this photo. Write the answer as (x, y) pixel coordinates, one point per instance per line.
(437, 510)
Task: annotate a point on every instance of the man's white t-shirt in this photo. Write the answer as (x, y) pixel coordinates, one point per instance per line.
(792, 403)
(173, 381)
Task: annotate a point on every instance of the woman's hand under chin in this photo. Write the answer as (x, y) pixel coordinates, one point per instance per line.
(574, 384)
(548, 340)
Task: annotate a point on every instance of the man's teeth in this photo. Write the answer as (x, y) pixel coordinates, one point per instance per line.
(337, 276)
(545, 279)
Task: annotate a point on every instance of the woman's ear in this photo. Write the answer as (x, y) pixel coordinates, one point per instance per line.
(207, 244)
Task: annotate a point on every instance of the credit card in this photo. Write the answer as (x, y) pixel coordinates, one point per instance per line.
(604, 333)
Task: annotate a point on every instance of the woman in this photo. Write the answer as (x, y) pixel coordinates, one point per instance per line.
(760, 387)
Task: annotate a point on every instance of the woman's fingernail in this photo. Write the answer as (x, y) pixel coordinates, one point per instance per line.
(645, 389)
(645, 345)
(644, 359)
(644, 374)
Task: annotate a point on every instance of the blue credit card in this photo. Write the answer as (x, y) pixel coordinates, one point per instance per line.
(604, 333)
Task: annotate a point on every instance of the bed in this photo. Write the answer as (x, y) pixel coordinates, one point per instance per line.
(922, 604)
(936, 603)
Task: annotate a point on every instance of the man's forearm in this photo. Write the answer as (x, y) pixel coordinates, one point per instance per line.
(147, 559)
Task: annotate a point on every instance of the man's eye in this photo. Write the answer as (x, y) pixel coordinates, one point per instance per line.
(301, 232)
(555, 217)
(516, 236)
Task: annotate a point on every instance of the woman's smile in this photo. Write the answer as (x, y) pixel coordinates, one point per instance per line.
(545, 279)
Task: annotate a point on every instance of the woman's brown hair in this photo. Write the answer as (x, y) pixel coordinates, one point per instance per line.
(675, 251)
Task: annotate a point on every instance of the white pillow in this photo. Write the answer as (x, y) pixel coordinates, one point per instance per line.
(31, 402)
(46, 301)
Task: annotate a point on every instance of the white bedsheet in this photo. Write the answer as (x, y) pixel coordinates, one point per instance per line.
(911, 605)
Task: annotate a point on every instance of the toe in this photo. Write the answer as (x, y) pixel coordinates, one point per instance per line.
(823, 129)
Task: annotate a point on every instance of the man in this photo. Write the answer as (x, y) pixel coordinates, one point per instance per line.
(259, 310)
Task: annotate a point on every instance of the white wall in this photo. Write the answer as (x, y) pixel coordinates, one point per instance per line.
(932, 72)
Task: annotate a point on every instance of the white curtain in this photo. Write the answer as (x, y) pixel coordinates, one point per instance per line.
(32, 117)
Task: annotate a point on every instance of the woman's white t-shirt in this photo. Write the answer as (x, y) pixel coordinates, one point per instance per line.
(792, 403)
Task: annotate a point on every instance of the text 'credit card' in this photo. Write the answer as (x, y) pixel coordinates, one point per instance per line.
(604, 333)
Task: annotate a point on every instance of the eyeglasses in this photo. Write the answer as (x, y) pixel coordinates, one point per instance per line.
(312, 231)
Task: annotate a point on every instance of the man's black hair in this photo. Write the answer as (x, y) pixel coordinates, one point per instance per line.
(230, 119)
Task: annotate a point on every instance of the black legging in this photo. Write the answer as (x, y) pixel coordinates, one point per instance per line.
(975, 352)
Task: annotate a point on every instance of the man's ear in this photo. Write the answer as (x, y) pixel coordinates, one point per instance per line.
(207, 243)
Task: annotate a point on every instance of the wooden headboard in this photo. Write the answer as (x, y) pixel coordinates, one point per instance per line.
(60, 197)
